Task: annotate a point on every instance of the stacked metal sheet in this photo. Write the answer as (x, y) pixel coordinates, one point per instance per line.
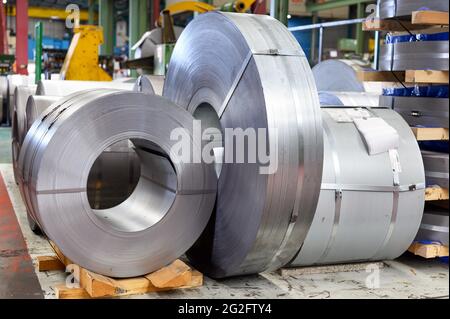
(434, 226)
(436, 168)
(403, 8)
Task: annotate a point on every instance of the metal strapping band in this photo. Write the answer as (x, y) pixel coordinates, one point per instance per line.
(272, 52)
(62, 191)
(373, 188)
(338, 191)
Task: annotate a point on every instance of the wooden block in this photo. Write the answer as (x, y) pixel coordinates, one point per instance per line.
(66, 261)
(388, 25)
(381, 76)
(429, 250)
(62, 292)
(48, 263)
(328, 269)
(429, 18)
(177, 274)
(430, 134)
(426, 76)
(436, 193)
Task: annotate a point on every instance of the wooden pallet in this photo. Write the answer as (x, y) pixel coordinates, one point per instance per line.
(418, 21)
(430, 133)
(429, 250)
(436, 193)
(409, 76)
(177, 275)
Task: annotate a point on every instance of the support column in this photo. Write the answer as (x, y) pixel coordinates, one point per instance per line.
(313, 51)
(3, 36)
(284, 11)
(359, 31)
(106, 21)
(143, 17)
(91, 12)
(133, 25)
(156, 9)
(22, 36)
(275, 9)
(260, 7)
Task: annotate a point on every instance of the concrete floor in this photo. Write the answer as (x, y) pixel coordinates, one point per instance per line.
(406, 277)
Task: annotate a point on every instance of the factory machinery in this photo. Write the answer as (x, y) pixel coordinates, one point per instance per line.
(348, 184)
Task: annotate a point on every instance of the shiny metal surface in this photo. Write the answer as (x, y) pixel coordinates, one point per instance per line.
(419, 55)
(434, 226)
(328, 99)
(436, 168)
(150, 229)
(251, 73)
(151, 84)
(35, 106)
(3, 95)
(15, 80)
(403, 8)
(374, 219)
(65, 88)
(432, 112)
(341, 76)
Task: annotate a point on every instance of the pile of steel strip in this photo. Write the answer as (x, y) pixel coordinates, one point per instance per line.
(436, 168)
(403, 8)
(414, 53)
(156, 224)
(349, 99)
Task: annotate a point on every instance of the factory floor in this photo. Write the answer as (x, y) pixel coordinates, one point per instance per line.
(407, 277)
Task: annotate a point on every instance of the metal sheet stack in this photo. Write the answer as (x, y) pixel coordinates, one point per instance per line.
(420, 105)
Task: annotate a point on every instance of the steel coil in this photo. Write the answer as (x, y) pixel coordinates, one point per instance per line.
(341, 76)
(419, 111)
(248, 71)
(403, 8)
(151, 84)
(328, 99)
(436, 168)
(419, 55)
(150, 229)
(368, 209)
(14, 81)
(65, 88)
(35, 106)
(3, 97)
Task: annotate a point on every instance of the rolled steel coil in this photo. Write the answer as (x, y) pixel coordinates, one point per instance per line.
(35, 106)
(65, 88)
(248, 71)
(151, 84)
(3, 97)
(341, 76)
(150, 229)
(14, 81)
(419, 111)
(436, 168)
(403, 8)
(365, 212)
(434, 226)
(328, 99)
(419, 55)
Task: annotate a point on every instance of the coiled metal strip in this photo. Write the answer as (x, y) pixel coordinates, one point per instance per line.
(403, 8)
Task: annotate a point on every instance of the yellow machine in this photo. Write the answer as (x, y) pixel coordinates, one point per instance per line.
(81, 62)
(201, 7)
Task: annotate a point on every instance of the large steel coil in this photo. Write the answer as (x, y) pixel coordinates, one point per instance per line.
(348, 98)
(164, 215)
(65, 88)
(434, 226)
(424, 111)
(370, 206)
(342, 76)
(3, 97)
(403, 8)
(35, 106)
(418, 55)
(15, 80)
(248, 72)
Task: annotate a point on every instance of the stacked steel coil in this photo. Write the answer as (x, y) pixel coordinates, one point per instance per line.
(157, 223)
(403, 8)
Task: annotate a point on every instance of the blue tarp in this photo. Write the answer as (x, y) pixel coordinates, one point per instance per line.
(437, 91)
(442, 36)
